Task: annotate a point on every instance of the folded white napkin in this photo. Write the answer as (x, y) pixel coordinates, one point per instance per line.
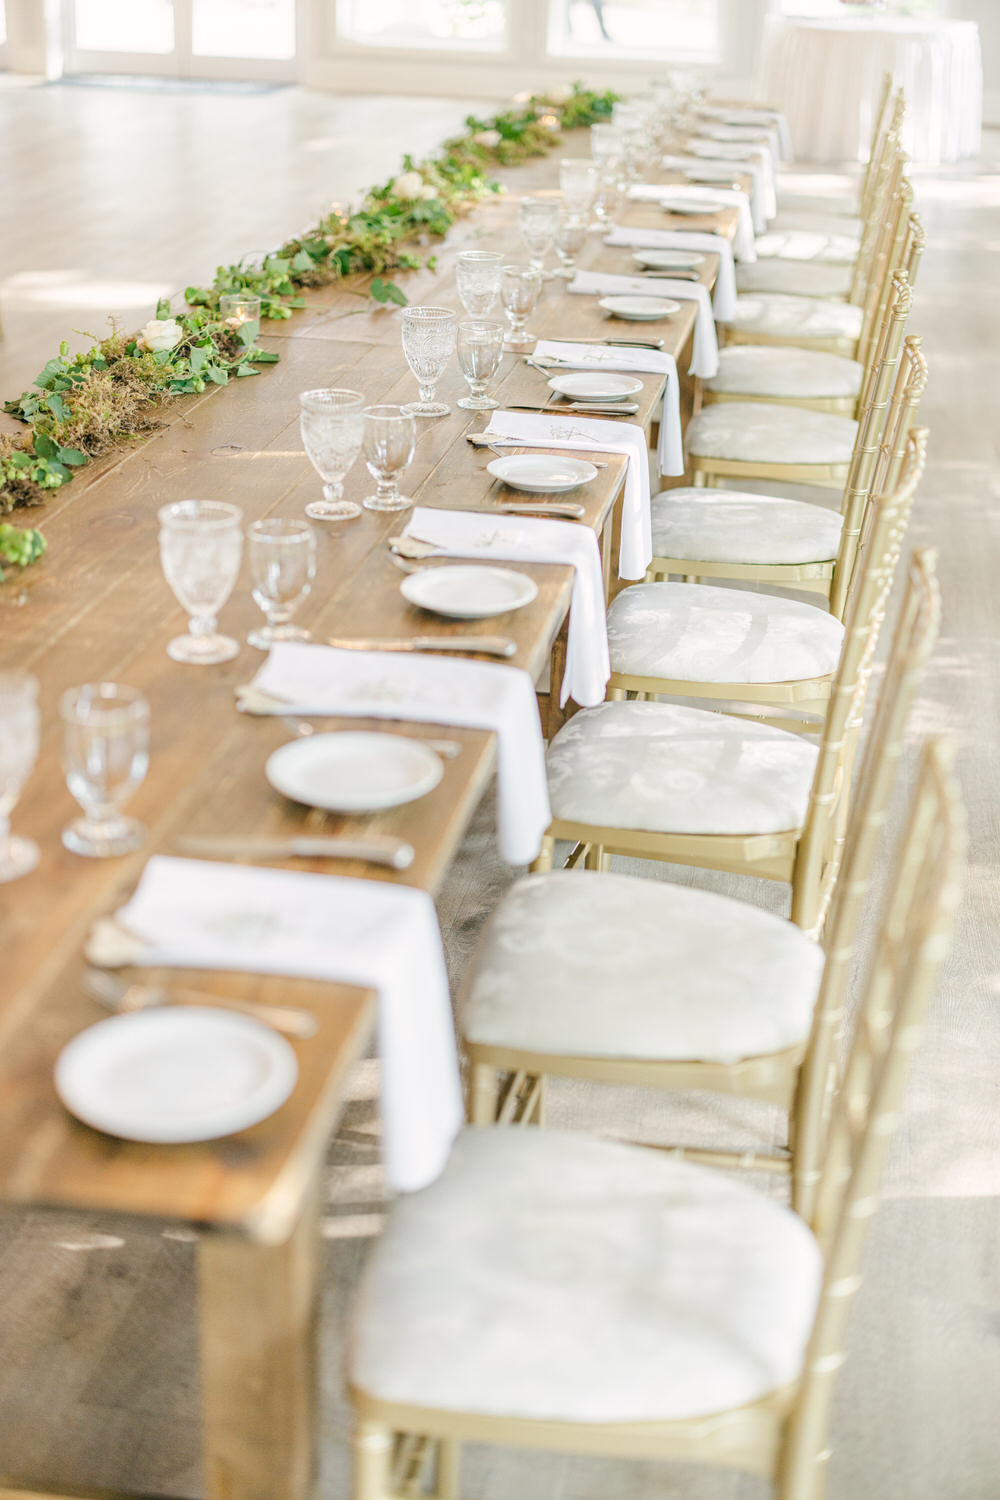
(462, 533)
(750, 132)
(194, 913)
(753, 114)
(724, 294)
(705, 344)
(591, 435)
(315, 680)
(670, 450)
(750, 168)
(656, 192)
(742, 151)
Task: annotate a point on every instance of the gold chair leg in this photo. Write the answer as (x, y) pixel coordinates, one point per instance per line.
(543, 864)
(484, 1093)
(449, 1453)
(372, 1461)
(595, 858)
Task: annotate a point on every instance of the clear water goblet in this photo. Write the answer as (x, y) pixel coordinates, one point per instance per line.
(201, 543)
(520, 290)
(578, 184)
(428, 344)
(389, 442)
(480, 350)
(331, 425)
(537, 223)
(570, 240)
(609, 201)
(607, 145)
(477, 278)
(18, 752)
(105, 755)
(282, 567)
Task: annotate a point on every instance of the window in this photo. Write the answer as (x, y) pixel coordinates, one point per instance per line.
(243, 28)
(145, 26)
(466, 25)
(634, 28)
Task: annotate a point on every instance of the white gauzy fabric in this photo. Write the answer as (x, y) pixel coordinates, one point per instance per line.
(705, 345)
(743, 239)
(741, 151)
(752, 169)
(194, 913)
(753, 114)
(670, 450)
(460, 533)
(591, 435)
(724, 295)
(317, 680)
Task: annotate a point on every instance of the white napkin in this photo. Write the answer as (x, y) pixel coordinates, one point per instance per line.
(747, 115)
(591, 435)
(750, 167)
(656, 192)
(670, 451)
(194, 913)
(705, 345)
(724, 295)
(742, 151)
(315, 680)
(462, 533)
(720, 132)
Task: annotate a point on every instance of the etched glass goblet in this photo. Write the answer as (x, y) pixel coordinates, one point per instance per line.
(537, 223)
(428, 343)
(389, 441)
(578, 184)
(607, 145)
(477, 277)
(282, 566)
(18, 752)
(570, 240)
(201, 543)
(519, 290)
(331, 424)
(105, 755)
(480, 350)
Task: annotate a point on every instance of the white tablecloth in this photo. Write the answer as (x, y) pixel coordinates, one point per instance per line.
(825, 75)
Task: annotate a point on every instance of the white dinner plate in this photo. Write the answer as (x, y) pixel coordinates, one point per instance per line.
(710, 172)
(639, 309)
(699, 207)
(542, 473)
(182, 1073)
(596, 385)
(668, 260)
(354, 771)
(469, 593)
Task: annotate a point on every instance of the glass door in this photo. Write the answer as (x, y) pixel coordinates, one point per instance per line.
(183, 38)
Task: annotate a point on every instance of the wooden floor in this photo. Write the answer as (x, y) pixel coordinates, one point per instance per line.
(98, 1378)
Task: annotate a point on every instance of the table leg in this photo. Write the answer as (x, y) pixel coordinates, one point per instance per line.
(259, 1321)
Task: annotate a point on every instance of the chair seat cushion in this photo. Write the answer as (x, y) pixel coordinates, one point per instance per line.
(798, 278)
(547, 1275)
(761, 433)
(693, 632)
(839, 207)
(796, 317)
(738, 527)
(698, 976)
(836, 249)
(768, 370)
(666, 768)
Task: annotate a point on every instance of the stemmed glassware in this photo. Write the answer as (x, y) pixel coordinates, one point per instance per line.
(201, 543)
(331, 423)
(537, 223)
(428, 343)
(282, 566)
(570, 241)
(18, 752)
(519, 290)
(477, 277)
(480, 350)
(578, 184)
(389, 440)
(607, 146)
(105, 755)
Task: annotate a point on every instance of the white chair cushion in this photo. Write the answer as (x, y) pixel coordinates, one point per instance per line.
(666, 768)
(552, 1276)
(798, 278)
(796, 317)
(589, 965)
(739, 527)
(801, 244)
(811, 222)
(835, 206)
(766, 370)
(693, 632)
(762, 433)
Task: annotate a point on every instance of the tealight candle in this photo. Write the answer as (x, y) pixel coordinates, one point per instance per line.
(241, 310)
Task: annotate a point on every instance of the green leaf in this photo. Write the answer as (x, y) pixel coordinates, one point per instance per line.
(396, 294)
(58, 408)
(73, 457)
(199, 356)
(245, 369)
(44, 446)
(217, 376)
(263, 357)
(302, 262)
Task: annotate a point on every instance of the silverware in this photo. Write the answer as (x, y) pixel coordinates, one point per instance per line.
(627, 343)
(579, 408)
(669, 275)
(375, 848)
(488, 645)
(121, 996)
(501, 446)
(447, 749)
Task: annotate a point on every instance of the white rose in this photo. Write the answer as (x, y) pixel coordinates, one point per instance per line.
(523, 98)
(409, 187)
(489, 138)
(162, 334)
(562, 94)
(428, 191)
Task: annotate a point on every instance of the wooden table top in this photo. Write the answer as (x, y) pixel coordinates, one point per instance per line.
(98, 608)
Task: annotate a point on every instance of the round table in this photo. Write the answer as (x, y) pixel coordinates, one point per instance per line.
(826, 75)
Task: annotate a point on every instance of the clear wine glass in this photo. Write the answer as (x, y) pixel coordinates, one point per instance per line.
(480, 350)
(477, 277)
(428, 343)
(331, 424)
(607, 145)
(282, 566)
(201, 543)
(609, 200)
(570, 240)
(105, 755)
(520, 290)
(389, 442)
(578, 184)
(18, 753)
(537, 223)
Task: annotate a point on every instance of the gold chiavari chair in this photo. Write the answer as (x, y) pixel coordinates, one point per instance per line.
(666, 782)
(556, 1291)
(620, 980)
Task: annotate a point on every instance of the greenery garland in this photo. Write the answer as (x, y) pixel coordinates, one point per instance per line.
(83, 405)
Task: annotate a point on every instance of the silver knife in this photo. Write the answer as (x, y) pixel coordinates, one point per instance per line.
(376, 849)
(489, 645)
(579, 408)
(557, 338)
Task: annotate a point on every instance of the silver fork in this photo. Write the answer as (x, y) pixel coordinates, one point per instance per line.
(122, 996)
(447, 749)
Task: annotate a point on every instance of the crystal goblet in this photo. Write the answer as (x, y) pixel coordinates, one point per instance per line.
(332, 424)
(537, 223)
(18, 752)
(480, 350)
(389, 442)
(477, 278)
(105, 755)
(519, 290)
(201, 543)
(282, 566)
(607, 145)
(578, 184)
(570, 240)
(428, 344)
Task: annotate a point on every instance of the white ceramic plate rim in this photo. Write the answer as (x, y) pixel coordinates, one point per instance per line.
(693, 206)
(570, 385)
(281, 770)
(430, 579)
(507, 471)
(678, 260)
(81, 1086)
(655, 307)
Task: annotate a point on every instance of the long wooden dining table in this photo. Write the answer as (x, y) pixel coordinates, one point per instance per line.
(98, 608)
